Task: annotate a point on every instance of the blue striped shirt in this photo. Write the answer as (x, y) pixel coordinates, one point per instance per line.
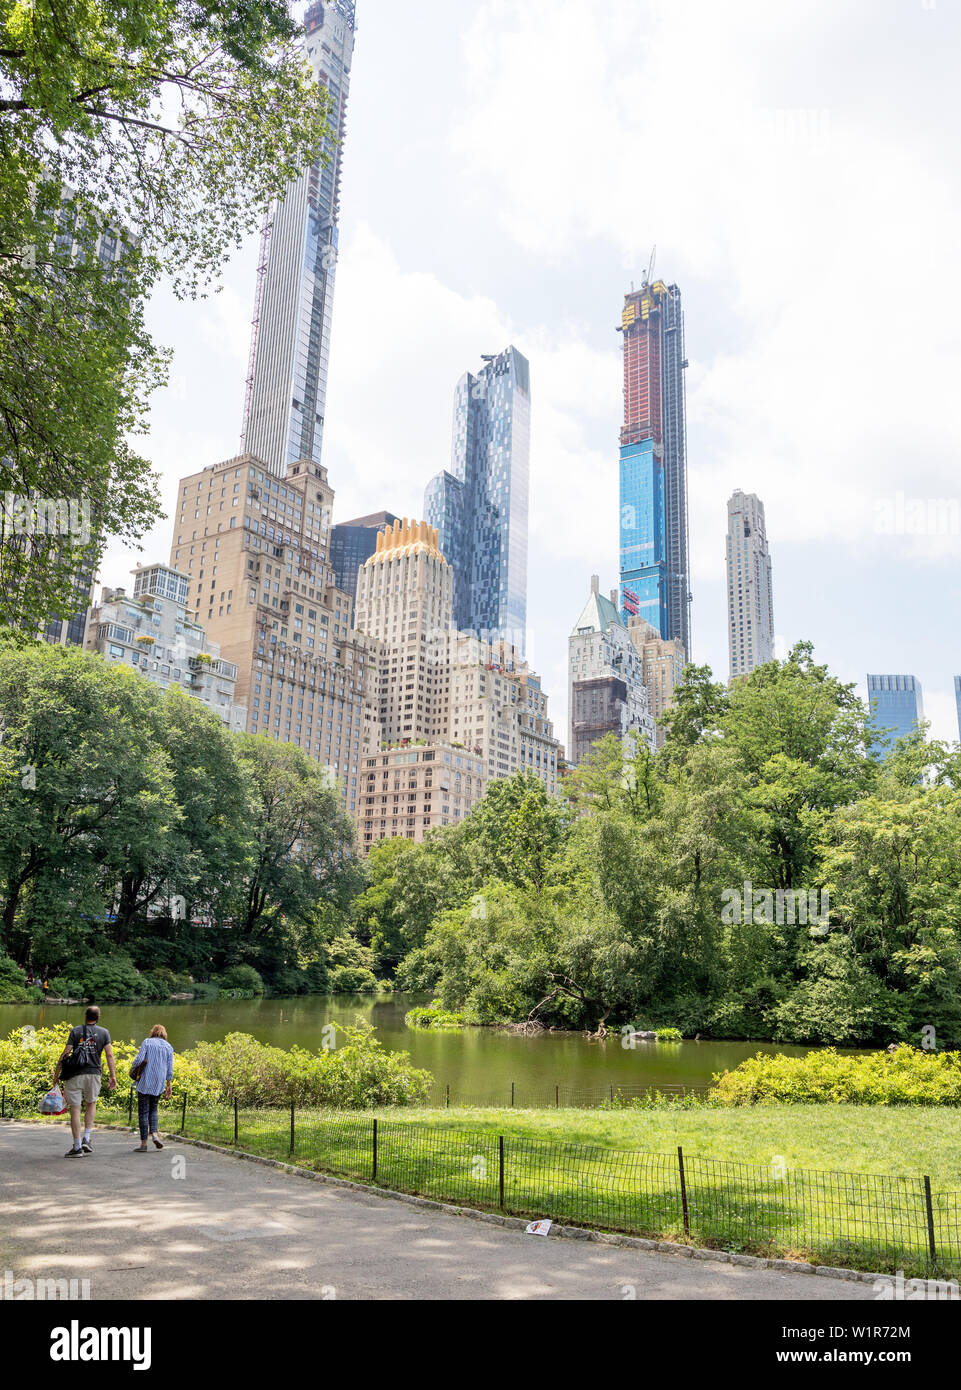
(160, 1066)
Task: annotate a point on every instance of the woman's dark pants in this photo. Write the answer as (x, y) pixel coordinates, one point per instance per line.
(149, 1115)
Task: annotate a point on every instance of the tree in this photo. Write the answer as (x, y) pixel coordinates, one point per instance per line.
(516, 830)
(302, 843)
(83, 782)
(169, 125)
(205, 852)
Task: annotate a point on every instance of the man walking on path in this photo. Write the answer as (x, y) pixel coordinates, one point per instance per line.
(83, 1075)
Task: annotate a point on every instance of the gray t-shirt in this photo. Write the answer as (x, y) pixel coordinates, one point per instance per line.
(97, 1039)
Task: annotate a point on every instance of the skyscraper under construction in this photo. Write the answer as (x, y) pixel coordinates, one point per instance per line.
(654, 567)
(290, 341)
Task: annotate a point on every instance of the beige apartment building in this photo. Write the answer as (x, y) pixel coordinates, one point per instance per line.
(498, 709)
(254, 548)
(662, 661)
(455, 712)
(419, 779)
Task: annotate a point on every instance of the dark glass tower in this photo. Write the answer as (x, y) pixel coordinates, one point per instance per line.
(480, 506)
(654, 565)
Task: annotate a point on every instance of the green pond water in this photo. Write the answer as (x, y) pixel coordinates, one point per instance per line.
(478, 1064)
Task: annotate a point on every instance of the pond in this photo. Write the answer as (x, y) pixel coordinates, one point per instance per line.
(478, 1064)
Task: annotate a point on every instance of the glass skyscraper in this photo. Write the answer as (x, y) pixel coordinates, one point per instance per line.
(957, 701)
(655, 582)
(479, 507)
(896, 705)
(290, 341)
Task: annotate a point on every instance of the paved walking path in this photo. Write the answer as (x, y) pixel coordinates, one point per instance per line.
(231, 1229)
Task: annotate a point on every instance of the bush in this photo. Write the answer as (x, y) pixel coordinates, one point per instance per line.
(669, 1035)
(242, 977)
(356, 1074)
(13, 984)
(105, 979)
(902, 1077)
(27, 1059)
(434, 1017)
(351, 979)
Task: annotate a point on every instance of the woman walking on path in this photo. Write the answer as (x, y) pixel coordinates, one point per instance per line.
(153, 1071)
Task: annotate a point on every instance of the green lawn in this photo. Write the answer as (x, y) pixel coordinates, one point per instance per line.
(835, 1184)
(902, 1141)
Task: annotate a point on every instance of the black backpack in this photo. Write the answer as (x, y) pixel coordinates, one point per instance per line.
(84, 1054)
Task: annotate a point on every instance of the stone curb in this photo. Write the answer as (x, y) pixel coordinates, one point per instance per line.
(520, 1223)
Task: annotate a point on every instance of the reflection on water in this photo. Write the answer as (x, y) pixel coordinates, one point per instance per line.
(481, 1062)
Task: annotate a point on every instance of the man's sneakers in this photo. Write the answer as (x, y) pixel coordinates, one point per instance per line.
(75, 1153)
(87, 1146)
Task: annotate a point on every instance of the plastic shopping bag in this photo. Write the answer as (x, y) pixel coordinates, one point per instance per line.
(53, 1102)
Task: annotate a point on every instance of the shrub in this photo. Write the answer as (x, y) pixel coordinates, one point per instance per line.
(27, 1059)
(669, 1035)
(905, 1076)
(104, 978)
(242, 977)
(352, 979)
(356, 1074)
(13, 984)
(434, 1017)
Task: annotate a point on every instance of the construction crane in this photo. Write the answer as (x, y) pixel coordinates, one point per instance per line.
(650, 265)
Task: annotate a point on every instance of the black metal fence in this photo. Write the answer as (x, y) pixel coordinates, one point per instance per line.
(866, 1222)
(523, 1096)
(859, 1220)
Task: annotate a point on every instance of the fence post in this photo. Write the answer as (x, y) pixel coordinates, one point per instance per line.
(373, 1165)
(612, 1095)
(236, 1119)
(183, 1116)
(680, 1164)
(448, 1095)
(557, 1097)
(292, 1122)
(130, 1108)
(500, 1167)
(3, 1103)
(932, 1248)
(512, 1095)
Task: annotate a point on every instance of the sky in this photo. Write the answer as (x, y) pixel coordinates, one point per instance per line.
(509, 166)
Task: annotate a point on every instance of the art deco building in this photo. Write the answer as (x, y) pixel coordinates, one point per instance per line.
(606, 689)
(455, 712)
(750, 599)
(498, 709)
(662, 666)
(254, 549)
(418, 780)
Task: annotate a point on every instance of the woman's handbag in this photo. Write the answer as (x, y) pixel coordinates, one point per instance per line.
(137, 1071)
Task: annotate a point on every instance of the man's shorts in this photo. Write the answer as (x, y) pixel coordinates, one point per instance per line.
(85, 1087)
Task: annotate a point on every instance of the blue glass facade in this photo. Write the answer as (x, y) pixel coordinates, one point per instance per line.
(957, 701)
(643, 538)
(896, 706)
(480, 505)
